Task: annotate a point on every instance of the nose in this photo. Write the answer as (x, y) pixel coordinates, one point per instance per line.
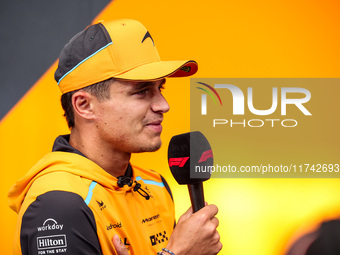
(160, 104)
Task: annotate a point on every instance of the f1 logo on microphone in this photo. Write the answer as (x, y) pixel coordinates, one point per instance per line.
(205, 156)
(180, 162)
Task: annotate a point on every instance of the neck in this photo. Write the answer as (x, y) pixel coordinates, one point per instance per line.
(112, 161)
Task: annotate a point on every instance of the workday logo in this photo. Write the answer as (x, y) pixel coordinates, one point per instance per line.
(50, 224)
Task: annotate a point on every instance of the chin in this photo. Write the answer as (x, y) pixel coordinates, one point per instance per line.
(148, 148)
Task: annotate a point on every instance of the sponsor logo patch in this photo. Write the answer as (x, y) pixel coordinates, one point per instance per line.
(150, 218)
(158, 238)
(116, 225)
(51, 242)
(101, 205)
(50, 224)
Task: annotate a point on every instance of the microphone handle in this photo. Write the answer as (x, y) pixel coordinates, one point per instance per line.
(196, 196)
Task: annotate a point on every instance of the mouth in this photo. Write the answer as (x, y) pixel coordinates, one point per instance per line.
(155, 125)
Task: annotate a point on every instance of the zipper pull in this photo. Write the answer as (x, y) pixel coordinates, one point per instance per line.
(124, 180)
(138, 188)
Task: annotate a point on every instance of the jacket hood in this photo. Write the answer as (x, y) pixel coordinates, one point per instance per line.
(55, 161)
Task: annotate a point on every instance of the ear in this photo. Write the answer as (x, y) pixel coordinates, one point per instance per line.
(83, 104)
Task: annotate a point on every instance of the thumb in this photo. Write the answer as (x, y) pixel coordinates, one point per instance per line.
(119, 246)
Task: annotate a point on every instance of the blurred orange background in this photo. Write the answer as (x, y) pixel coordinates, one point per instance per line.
(228, 39)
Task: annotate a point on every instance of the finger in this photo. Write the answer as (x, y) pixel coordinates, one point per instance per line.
(119, 246)
(217, 237)
(210, 211)
(215, 221)
(216, 242)
(219, 247)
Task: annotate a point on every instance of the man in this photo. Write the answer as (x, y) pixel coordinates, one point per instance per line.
(85, 197)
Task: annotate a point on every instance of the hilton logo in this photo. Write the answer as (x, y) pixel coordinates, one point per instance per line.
(51, 242)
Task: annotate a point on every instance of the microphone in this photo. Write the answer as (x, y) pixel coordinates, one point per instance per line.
(188, 153)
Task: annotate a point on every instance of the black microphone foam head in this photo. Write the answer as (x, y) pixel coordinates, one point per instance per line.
(190, 152)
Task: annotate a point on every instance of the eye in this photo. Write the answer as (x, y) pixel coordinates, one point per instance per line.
(141, 92)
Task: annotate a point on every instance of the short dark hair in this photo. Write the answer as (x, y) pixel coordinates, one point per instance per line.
(100, 90)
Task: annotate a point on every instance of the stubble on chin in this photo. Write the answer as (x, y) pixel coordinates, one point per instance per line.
(149, 148)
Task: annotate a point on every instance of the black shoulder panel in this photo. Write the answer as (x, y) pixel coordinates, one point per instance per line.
(167, 187)
(59, 222)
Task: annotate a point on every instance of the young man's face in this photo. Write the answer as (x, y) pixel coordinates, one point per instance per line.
(130, 121)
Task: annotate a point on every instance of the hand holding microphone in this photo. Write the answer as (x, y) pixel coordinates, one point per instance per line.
(195, 232)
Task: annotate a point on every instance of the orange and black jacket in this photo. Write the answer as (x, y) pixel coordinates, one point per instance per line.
(67, 204)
